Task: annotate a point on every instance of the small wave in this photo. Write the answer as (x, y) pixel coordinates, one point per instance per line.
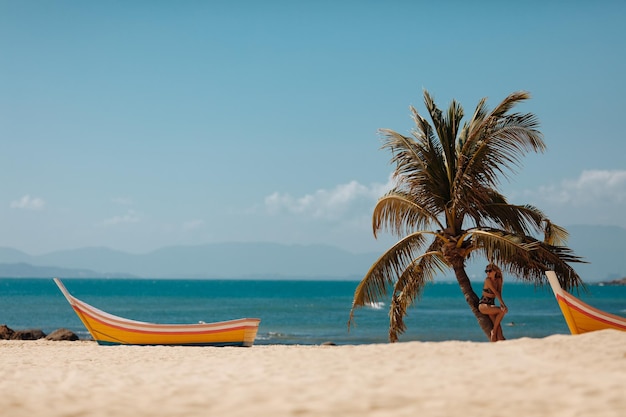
(270, 336)
(379, 305)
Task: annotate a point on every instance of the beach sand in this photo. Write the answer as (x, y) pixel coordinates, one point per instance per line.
(559, 375)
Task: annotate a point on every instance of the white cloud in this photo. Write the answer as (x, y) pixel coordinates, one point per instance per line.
(593, 187)
(594, 197)
(131, 216)
(331, 204)
(28, 203)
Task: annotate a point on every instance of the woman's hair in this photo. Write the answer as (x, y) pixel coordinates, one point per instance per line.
(497, 269)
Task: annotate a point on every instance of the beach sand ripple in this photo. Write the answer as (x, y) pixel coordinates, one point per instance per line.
(556, 376)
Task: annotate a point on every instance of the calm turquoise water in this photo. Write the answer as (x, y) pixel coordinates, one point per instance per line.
(291, 312)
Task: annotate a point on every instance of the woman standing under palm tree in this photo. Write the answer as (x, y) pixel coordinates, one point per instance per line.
(492, 290)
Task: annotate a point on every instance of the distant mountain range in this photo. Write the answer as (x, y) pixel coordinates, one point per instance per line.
(225, 260)
(603, 246)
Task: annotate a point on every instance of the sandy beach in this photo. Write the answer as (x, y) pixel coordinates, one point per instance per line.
(556, 376)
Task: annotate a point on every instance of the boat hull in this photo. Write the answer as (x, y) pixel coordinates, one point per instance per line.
(579, 316)
(108, 329)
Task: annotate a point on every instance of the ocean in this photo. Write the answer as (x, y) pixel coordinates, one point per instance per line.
(291, 312)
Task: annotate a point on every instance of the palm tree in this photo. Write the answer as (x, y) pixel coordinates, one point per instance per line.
(446, 178)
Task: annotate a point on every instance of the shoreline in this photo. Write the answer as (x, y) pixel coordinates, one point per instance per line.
(560, 375)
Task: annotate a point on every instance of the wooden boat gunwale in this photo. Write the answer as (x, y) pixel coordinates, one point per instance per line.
(576, 311)
(109, 329)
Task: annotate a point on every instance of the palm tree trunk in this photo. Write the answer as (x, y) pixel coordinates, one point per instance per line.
(471, 298)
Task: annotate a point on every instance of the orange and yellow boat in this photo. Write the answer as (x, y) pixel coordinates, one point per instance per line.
(108, 329)
(579, 316)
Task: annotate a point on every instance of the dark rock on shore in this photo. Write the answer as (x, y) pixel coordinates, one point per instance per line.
(62, 334)
(6, 333)
(29, 334)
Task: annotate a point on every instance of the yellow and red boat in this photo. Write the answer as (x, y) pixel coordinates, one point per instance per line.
(579, 316)
(108, 329)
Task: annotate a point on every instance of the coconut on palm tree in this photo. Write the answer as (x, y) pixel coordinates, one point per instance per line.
(446, 209)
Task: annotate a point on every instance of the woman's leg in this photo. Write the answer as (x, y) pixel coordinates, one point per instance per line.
(500, 334)
(495, 314)
(495, 332)
(497, 328)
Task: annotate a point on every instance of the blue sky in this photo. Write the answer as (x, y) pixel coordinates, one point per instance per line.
(138, 125)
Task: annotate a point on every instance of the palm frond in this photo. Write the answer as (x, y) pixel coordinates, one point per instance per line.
(509, 102)
(554, 234)
(513, 136)
(498, 245)
(516, 219)
(399, 214)
(410, 286)
(420, 166)
(423, 131)
(527, 257)
(494, 146)
(531, 266)
(385, 271)
(480, 113)
(407, 153)
(447, 128)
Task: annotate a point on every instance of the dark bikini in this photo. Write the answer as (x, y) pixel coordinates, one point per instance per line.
(488, 300)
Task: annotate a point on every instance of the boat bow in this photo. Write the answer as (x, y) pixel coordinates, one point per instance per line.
(579, 316)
